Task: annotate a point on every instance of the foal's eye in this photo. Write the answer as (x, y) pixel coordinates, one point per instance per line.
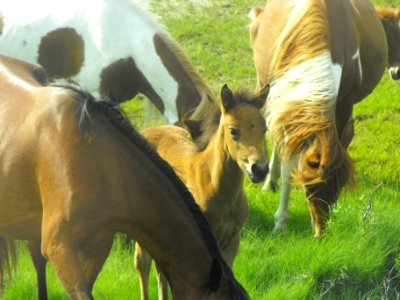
(234, 133)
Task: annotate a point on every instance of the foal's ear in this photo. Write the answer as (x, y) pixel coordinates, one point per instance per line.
(262, 96)
(227, 98)
(194, 127)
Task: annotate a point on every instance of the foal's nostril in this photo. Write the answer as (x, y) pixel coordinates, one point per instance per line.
(259, 171)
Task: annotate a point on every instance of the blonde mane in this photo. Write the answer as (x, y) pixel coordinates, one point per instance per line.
(304, 81)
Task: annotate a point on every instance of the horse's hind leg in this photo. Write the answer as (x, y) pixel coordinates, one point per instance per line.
(40, 265)
(143, 266)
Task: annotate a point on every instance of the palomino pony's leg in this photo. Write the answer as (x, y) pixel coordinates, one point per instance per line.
(274, 172)
(143, 266)
(40, 266)
(282, 214)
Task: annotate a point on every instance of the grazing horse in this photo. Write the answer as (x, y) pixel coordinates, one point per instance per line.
(390, 18)
(214, 172)
(74, 172)
(115, 48)
(321, 57)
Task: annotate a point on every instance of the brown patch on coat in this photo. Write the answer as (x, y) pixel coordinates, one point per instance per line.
(122, 80)
(61, 53)
(190, 85)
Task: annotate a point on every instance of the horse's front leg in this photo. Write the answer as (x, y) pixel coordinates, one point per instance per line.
(271, 183)
(40, 266)
(58, 246)
(162, 285)
(282, 214)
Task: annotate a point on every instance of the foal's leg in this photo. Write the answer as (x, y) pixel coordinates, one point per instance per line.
(143, 266)
(282, 214)
(40, 265)
(274, 172)
(162, 285)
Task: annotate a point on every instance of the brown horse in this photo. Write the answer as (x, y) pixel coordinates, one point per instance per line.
(215, 172)
(321, 57)
(74, 171)
(390, 18)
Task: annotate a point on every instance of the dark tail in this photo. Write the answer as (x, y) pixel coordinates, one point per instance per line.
(8, 259)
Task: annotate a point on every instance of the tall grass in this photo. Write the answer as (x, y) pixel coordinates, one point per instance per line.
(358, 258)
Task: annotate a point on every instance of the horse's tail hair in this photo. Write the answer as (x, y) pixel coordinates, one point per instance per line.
(8, 259)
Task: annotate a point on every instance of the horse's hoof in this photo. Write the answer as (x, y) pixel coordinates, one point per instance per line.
(270, 186)
(278, 229)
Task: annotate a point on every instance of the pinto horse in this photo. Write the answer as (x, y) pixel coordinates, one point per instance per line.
(390, 18)
(214, 173)
(74, 172)
(115, 48)
(321, 57)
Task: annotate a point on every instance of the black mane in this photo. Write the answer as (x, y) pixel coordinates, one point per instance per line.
(115, 115)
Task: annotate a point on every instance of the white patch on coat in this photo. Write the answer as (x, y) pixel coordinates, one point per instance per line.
(111, 30)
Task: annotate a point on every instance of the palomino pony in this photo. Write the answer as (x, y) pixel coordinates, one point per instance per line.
(74, 171)
(115, 48)
(390, 18)
(321, 57)
(215, 172)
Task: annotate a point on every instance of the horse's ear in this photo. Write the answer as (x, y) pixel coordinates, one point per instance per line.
(262, 95)
(194, 127)
(227, 98)
(215, 275)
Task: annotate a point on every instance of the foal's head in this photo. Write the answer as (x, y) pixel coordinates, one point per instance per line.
(390, 21)
(244, 127)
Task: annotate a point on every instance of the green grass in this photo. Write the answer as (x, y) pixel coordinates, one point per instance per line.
(358, 258)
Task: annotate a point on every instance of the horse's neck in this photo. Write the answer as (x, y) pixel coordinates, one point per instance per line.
(226, 176)
(157, 216)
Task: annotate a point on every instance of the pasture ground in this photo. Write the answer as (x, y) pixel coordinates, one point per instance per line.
(358, 258)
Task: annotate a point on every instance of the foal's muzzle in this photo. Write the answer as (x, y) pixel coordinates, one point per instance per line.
(394, 73)
(258, 172)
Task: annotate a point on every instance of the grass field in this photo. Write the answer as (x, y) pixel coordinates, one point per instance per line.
(358, 258)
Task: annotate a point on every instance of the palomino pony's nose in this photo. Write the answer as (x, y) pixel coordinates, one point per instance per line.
(394, 73)
(259, 171)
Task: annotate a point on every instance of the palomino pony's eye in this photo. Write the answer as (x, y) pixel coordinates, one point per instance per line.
(235, 133)
(313, 164)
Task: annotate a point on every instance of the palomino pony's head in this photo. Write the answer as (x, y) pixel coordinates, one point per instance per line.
(244, 128)
(390, 18)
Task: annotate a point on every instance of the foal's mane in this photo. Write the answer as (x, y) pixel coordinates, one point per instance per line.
(90, 107)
